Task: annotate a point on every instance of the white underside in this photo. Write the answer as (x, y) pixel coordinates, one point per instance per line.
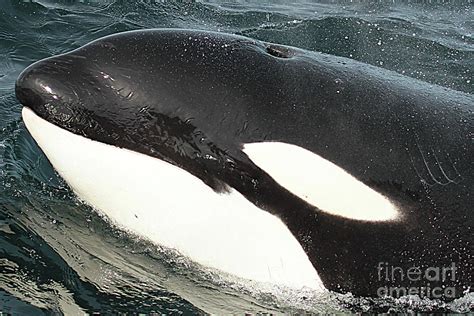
(171, 207)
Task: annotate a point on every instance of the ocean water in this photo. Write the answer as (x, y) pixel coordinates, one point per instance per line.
(59, 256)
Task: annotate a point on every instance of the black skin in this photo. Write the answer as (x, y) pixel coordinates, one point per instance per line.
(193, 98)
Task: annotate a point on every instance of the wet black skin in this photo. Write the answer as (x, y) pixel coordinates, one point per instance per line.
(192, 98)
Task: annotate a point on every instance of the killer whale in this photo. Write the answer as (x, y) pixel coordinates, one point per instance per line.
(264, 161)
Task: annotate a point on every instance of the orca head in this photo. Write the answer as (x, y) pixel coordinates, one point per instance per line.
(266, 120)
(188, 98)
(171, 94)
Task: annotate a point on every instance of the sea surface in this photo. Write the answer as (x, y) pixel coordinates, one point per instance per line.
(59, 256)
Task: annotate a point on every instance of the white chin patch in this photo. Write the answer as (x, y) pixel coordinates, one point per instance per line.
(320, 182)
(173, 208)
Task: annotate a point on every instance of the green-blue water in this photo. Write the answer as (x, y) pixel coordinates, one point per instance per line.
(59, 256)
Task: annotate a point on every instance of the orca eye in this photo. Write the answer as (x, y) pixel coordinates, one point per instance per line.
(279, 51)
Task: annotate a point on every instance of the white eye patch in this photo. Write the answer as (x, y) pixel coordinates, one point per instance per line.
(320, 182)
